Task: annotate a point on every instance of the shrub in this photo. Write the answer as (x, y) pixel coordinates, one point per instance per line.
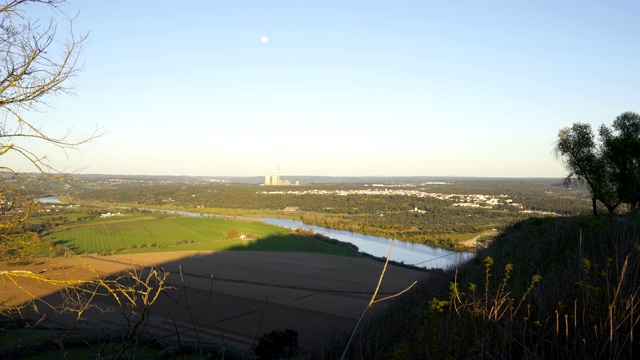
(232, 234)
(278, 345)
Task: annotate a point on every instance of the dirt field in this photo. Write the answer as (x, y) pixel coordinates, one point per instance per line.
(235, 295)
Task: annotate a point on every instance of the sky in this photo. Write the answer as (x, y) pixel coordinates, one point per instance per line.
(341, 88)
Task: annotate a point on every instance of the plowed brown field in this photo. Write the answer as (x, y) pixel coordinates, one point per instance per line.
(232, 296)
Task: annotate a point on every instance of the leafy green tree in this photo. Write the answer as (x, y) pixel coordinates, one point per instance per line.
(621, 147)
(610, 167)
(587, 164)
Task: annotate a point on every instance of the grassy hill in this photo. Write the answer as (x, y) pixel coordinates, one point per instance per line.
(546, 288)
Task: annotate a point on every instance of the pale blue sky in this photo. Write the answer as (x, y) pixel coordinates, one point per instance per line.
(345, 88)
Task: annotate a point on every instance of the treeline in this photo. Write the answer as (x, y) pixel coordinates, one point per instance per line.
(437, 227)
(532, 195)
(417, 219)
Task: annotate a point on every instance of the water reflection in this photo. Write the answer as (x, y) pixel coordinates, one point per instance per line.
(49, 200)
(409, 253)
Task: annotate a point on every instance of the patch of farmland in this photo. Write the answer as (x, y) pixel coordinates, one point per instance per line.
(147, 234)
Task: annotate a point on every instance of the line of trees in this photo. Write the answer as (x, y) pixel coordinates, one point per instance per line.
(608, 164)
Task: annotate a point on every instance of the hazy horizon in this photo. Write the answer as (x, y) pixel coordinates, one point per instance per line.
(288, 176)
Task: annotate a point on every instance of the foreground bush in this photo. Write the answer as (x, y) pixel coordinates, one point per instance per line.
(278, 345)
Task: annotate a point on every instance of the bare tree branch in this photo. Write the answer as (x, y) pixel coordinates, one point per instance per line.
(37, 61)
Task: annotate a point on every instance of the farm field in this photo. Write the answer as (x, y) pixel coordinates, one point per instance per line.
(149, 233)
(232, 295)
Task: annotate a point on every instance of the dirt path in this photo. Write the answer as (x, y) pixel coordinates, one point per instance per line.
(472, 242)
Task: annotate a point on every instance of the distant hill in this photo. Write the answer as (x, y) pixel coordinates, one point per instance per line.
(303, 179)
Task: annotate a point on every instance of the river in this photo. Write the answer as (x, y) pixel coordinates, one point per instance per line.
(405, 252)
(409, 253)
(49, 200)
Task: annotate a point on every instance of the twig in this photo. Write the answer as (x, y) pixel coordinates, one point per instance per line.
(373, 300)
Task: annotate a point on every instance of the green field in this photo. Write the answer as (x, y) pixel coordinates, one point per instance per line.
(149, 233)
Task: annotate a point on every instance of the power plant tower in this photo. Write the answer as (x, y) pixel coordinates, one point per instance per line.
(275, 179)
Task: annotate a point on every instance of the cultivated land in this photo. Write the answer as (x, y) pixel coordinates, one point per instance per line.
(437, 212)
(233, 296)
(150, 233)
(232, 280)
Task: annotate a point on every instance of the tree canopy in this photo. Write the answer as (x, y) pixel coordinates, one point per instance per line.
(609, 165)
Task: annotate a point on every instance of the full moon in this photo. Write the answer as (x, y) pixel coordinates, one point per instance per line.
(264, 39)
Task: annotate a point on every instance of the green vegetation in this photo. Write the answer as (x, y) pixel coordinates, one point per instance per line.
(610, 165)
(545, 288)
(401, 210)
(157, 232)
(540, 290)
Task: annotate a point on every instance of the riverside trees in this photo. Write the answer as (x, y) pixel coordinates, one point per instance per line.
(608, 165)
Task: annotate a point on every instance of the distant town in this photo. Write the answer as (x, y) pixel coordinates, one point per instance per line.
(460, 200)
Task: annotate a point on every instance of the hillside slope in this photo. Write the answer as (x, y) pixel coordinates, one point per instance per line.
(545, 288)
